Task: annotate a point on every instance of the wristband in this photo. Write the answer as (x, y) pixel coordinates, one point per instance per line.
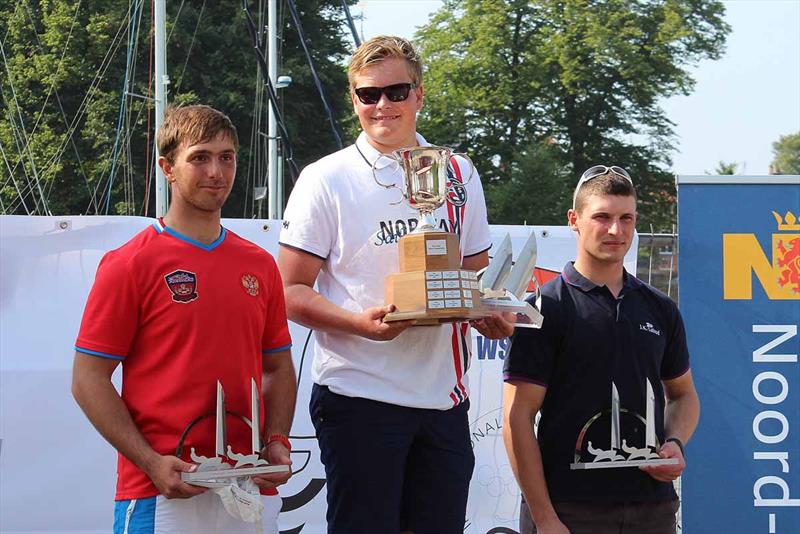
(280, 438)
(677, 442)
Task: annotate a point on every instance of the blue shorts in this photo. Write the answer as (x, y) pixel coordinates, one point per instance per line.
(391, 468)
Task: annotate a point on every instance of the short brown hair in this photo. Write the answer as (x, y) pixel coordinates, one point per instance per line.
(382, 47)
(189, 125)
(609, 183)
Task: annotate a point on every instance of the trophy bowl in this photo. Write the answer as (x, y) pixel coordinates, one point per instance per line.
(425, 184)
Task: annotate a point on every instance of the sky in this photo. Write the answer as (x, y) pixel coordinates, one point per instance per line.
(740, 105)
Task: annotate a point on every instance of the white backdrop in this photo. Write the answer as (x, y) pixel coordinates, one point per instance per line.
(57, 474)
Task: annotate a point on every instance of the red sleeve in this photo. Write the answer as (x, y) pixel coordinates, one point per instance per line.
(111, 316)
(276, 328)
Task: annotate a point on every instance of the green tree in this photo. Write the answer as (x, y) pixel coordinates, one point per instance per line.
(725, 168)
(58, 107)
(787, 154)
(65, 142)
(506, 77)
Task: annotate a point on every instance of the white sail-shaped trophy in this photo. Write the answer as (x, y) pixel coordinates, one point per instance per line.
(215, 472)
(620, 453)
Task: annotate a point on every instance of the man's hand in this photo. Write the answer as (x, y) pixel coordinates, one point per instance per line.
(370, 324)
(275, 453)
(495, 326)
(668, 472)
(165, 472)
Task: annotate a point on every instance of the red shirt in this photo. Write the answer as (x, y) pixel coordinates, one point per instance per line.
(181, 315)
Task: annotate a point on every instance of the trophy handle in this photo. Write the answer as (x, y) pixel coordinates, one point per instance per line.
(375, 175)
(471, 166)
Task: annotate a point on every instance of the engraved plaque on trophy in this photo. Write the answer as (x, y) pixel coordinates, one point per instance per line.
(213, 472)
(621, 453)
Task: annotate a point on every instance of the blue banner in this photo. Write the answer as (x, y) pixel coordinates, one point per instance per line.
(739, 240)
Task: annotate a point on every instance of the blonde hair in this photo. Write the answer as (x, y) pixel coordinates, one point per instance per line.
(189, 125)
(386, 46)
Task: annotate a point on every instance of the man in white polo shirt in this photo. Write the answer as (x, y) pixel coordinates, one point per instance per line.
(389, 402)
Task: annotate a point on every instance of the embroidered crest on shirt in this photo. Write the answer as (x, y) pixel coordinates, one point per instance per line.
(648, 327)
(183, 285)
(250, 284)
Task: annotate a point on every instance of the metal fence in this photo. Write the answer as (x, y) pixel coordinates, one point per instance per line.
(658, 262)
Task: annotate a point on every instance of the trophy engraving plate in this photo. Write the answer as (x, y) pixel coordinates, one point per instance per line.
(436, 247)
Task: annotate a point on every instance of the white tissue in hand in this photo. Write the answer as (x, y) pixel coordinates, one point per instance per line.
(242, 500)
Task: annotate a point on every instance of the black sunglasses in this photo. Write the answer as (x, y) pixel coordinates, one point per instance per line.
(395, 93)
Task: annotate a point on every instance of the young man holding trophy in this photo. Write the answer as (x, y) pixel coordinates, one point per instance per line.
(190, 310)
(609, 372)
(390, 397)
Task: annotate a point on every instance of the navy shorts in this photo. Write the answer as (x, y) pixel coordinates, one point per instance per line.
(391, 468)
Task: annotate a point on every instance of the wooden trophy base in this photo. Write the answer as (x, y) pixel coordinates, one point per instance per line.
(431, 286)
(434, 297)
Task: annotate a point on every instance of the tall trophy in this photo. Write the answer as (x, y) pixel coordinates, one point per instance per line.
(431, 286)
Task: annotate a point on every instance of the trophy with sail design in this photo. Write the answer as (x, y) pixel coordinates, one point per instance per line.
(215, 472)
(621, 453)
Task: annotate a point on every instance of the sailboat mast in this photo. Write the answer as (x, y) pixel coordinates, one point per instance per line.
(161, 81)
(275, 210)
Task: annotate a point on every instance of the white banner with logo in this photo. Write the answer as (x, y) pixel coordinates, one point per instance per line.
(58, 475)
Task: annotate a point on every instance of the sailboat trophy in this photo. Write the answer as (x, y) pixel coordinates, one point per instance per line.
(213, 472)
(621, 453)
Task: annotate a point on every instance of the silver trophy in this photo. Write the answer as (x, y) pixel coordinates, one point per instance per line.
(214, 472)
(426, 180)
(620, 453)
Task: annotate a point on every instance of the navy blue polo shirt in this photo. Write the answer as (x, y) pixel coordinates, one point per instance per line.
(588, 340)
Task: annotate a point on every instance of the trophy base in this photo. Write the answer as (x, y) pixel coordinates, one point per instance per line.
(221, 477)
(626, 463)
(436, 317)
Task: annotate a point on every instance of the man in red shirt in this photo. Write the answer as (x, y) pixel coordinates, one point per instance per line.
(182, 305)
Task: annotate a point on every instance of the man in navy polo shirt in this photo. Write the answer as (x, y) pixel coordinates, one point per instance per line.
(605, 337)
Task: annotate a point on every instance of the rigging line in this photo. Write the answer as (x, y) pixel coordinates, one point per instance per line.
(317, 82)
(11, 171)
(149, 106)
(40, 115)
(26, 144)
(175, 22)
(8, 26)
(273, 97)
(49, 185)
(351, 23)
(88, 97)
(123, 98)
(13, 181)
(191, 45)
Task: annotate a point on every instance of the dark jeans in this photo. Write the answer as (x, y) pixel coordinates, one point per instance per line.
(391, 468)
(610, 518)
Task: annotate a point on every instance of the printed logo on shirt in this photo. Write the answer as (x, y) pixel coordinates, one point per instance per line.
(391, 231)
(183, 285)
(648, 327)
(250, 284)
(285, 224)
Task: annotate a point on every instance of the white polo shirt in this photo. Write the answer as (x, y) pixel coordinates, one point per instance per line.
(337, 212)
